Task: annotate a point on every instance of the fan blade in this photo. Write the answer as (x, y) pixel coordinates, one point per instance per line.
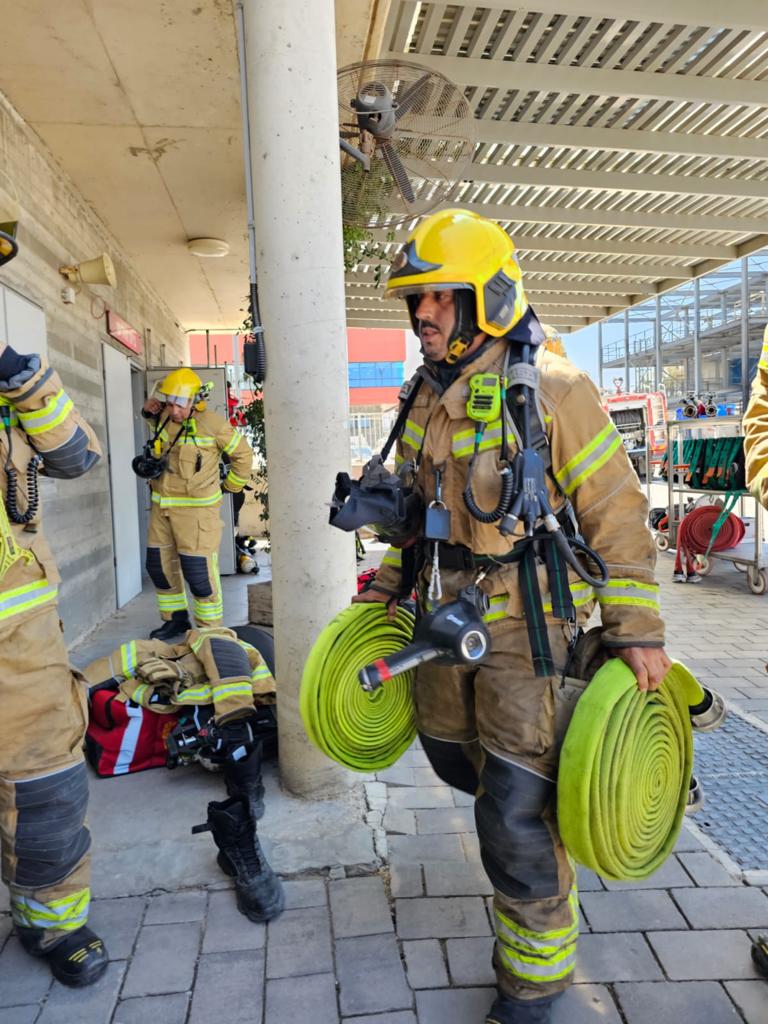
(411, 96)
(398, 172)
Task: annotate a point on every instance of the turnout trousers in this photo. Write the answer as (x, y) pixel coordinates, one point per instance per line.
(495, 732)
(44, 842)
(183, 545)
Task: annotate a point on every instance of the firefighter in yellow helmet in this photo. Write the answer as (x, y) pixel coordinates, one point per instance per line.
(44, 840)
(490, 404)
(182, 463)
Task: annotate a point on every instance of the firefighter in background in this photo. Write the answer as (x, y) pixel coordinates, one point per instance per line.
(224, 682)
(756, 466)
(44, 841)
(495, 731)
(186, 450)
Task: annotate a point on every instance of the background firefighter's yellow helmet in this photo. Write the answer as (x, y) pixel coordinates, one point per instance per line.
(9, 216)
(554, 340)
(461, 250)
(180, 385)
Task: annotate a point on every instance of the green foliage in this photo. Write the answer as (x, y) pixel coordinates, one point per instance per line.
(360, 247)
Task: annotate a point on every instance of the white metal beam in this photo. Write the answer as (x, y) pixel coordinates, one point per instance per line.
(616, 181)
(601, 247)
(567, 78)
(742, 14)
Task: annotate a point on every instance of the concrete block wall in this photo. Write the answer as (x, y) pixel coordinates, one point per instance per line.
(58, 227)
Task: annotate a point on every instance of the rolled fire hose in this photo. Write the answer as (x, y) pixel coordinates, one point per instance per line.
(625, 769)
(695, 535)
(366, 732)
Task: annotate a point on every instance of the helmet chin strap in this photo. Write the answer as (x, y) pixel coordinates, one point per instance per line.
(464, 329)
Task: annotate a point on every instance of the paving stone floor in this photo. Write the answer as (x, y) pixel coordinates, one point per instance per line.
(410, 944)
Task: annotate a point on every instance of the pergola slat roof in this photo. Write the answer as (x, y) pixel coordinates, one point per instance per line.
(623, 153)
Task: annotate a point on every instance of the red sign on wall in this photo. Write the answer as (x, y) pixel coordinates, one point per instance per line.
(122, 331)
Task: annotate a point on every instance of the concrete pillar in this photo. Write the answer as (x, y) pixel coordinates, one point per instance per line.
(744, 333)
(290, 55)
(696, 335)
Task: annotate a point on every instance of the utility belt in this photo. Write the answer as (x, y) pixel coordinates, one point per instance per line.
(528, 552)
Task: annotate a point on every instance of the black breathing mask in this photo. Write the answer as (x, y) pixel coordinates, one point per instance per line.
(147, 465)
(383, 501)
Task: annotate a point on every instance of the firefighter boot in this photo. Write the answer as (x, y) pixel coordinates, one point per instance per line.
(243, 778)
(520, 1011)
(259, 891)
(176, 626)
(79, 959)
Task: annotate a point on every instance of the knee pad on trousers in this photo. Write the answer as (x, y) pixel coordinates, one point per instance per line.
(515, 844)
(195, 570)
(50, 836)
(450, 763)
(230, 659)
(155, 569)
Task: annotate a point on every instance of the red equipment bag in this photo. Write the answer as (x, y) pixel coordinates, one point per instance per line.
(124, 737)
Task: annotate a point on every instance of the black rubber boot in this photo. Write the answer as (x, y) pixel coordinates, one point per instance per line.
(760, 954)
(79, 959)
(243, 778)
(176, 626)
(520, 1011)
(259, 891)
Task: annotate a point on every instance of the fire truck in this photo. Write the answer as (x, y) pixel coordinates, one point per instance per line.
(640, 418)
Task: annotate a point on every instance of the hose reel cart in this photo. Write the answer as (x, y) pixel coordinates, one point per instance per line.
(707, 459)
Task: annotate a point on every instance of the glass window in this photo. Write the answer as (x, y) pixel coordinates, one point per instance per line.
(375, 375)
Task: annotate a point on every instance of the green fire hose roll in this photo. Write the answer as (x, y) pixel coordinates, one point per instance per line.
(625, 769)
(362, 731)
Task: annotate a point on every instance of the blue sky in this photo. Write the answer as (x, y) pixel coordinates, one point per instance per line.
(581, 347)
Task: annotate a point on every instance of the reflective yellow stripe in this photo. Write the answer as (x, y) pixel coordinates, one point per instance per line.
(538, 957)
(171, 602)
(238, 481)
(165, 502)
(581, 593)
(394, 557)
(261, 672)
(413, 435)
(225, 690)
(139, 693)
(54, 412)
(128, 658)
(463, 442)
(498, 608)
(65, 914)
(591, 458)
(194, 695)
(21, 599)
(198, 441)
(234, 441)
(630, 592)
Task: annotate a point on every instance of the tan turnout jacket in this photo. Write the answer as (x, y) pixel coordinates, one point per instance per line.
(756, 430)
(590, 468)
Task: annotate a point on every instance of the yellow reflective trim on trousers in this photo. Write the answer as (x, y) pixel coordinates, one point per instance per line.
(208, 612)
(54, 412)
(67, 914)
(225, 690)
(233, 442)
(171, 602)
(497, 609)
(167, 502)
(592, 457)
(21, 599)
(523, 968)
(238, 481)
(261, 672)
(630, 592)
(394, 557)
(581, 593)
(413, 435)
(194, 695)
(128, 658)
(556, 933)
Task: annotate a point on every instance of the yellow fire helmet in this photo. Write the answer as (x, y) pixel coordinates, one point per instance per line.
(9, 217)
(179, 386)
(461, 251)
(8, 244)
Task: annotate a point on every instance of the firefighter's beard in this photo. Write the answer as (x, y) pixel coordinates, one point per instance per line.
(434, 343)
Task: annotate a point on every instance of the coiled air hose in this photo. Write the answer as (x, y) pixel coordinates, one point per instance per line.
(625, 770)
(366, 732)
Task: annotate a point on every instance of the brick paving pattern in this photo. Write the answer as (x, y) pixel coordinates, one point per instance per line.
(411, 943)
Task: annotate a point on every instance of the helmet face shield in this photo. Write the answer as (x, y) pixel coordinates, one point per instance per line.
(179, 386)
(175, 399)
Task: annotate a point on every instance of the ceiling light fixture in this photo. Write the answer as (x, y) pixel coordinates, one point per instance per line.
(208, 247)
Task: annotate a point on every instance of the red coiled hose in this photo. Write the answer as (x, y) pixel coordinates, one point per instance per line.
(696, 531)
